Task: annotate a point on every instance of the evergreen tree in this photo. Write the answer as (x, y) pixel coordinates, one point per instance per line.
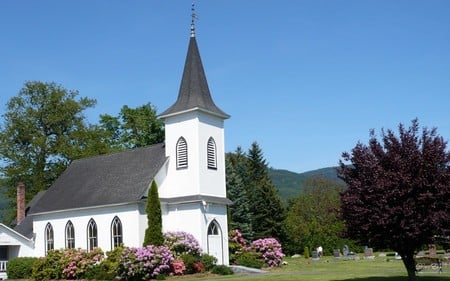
(239, 214)
(153, 233)
(266, 206)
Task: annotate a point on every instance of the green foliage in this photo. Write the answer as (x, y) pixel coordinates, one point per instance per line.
(222, 270)
(106, 270)
(306, 252)
(258, 210)
(153, 233)
(249, 259)
(239, 211)
(20, 268)
(48, 267)
(133, 127)
(313, 218)
(208, 261)
(43, 130)
(189, 261)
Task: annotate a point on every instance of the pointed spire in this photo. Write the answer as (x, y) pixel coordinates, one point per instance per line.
(194, 91)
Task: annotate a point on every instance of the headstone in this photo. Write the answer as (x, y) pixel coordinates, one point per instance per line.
(432, 250)
(345, 251)
(315, 255)
(420, 254)
(336, 253)
(368, 253)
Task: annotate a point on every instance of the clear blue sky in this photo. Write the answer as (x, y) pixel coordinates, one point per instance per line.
(305, 79)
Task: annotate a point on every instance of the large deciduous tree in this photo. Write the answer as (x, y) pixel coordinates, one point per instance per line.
(313, 218)
(398, 192)
(43, 130)
(133, 127)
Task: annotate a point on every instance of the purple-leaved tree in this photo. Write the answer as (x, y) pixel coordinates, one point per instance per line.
(398, 193)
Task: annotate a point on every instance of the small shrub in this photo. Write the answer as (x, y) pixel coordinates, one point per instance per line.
(250, 259)
(48, 267)
(178, 267)
(20, 268)
(144, 263)
(189, 261)
(222, 270)
(270, 250)
(198, 267)
(208, 261)
(306, 252)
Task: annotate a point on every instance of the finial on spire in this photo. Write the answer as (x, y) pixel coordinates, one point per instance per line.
(194, 17)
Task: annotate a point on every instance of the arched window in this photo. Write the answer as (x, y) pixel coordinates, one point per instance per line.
(116, 233)
(49, 239)
(92, 235)
(70, 236)
(182, 154)
(213, 228)
(211, 154)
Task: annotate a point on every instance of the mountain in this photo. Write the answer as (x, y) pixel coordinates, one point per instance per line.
(290, 184)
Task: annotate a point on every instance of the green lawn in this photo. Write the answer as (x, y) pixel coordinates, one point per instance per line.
(331, 269)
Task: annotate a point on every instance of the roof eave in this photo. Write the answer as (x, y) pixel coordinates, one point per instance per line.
(172, 114)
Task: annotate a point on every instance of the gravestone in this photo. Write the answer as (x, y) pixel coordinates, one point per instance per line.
(368, 253)
(315, 255)
(345, 251)
(432, 250)
(336, 253)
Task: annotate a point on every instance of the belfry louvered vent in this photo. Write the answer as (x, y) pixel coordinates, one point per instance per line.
(211, 151)
(182, 154)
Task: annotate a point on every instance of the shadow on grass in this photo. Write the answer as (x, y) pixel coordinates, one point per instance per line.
(399, 278)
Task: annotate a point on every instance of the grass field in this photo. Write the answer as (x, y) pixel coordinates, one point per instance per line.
(331, 269)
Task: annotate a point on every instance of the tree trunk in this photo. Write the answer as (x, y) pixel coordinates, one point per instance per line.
(410, 265)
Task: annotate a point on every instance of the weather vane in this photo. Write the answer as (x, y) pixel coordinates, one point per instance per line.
(194, 17)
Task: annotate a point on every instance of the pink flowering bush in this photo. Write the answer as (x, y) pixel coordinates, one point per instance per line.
(76, 262)
(270, 250)
(237, 245)
(266, 251)
(236, 236)
(178, 267)
(144, 263)
(180, 242)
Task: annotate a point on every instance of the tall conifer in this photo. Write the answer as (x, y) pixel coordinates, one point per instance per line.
(153, 233)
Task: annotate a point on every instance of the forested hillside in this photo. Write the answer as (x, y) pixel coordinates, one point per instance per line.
(290, 184)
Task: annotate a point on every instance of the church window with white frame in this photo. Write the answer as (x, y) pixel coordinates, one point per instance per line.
(70, 235)
(49, 238)
(211, 154)
(92, 239)
(182, 154)
(116, 233)
(213, 228)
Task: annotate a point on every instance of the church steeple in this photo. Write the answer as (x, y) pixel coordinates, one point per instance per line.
(194, 91)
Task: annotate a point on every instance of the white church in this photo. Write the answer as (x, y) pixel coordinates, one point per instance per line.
(100, 201)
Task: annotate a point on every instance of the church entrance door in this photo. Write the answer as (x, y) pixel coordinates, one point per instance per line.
(215, 245)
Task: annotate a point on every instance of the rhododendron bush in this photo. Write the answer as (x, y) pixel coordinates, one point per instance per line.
(144, 263)
(180, 242)
(267, 249)
(270, 249)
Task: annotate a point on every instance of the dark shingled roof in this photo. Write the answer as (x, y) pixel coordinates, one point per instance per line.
(115, 178)
(194, 92)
